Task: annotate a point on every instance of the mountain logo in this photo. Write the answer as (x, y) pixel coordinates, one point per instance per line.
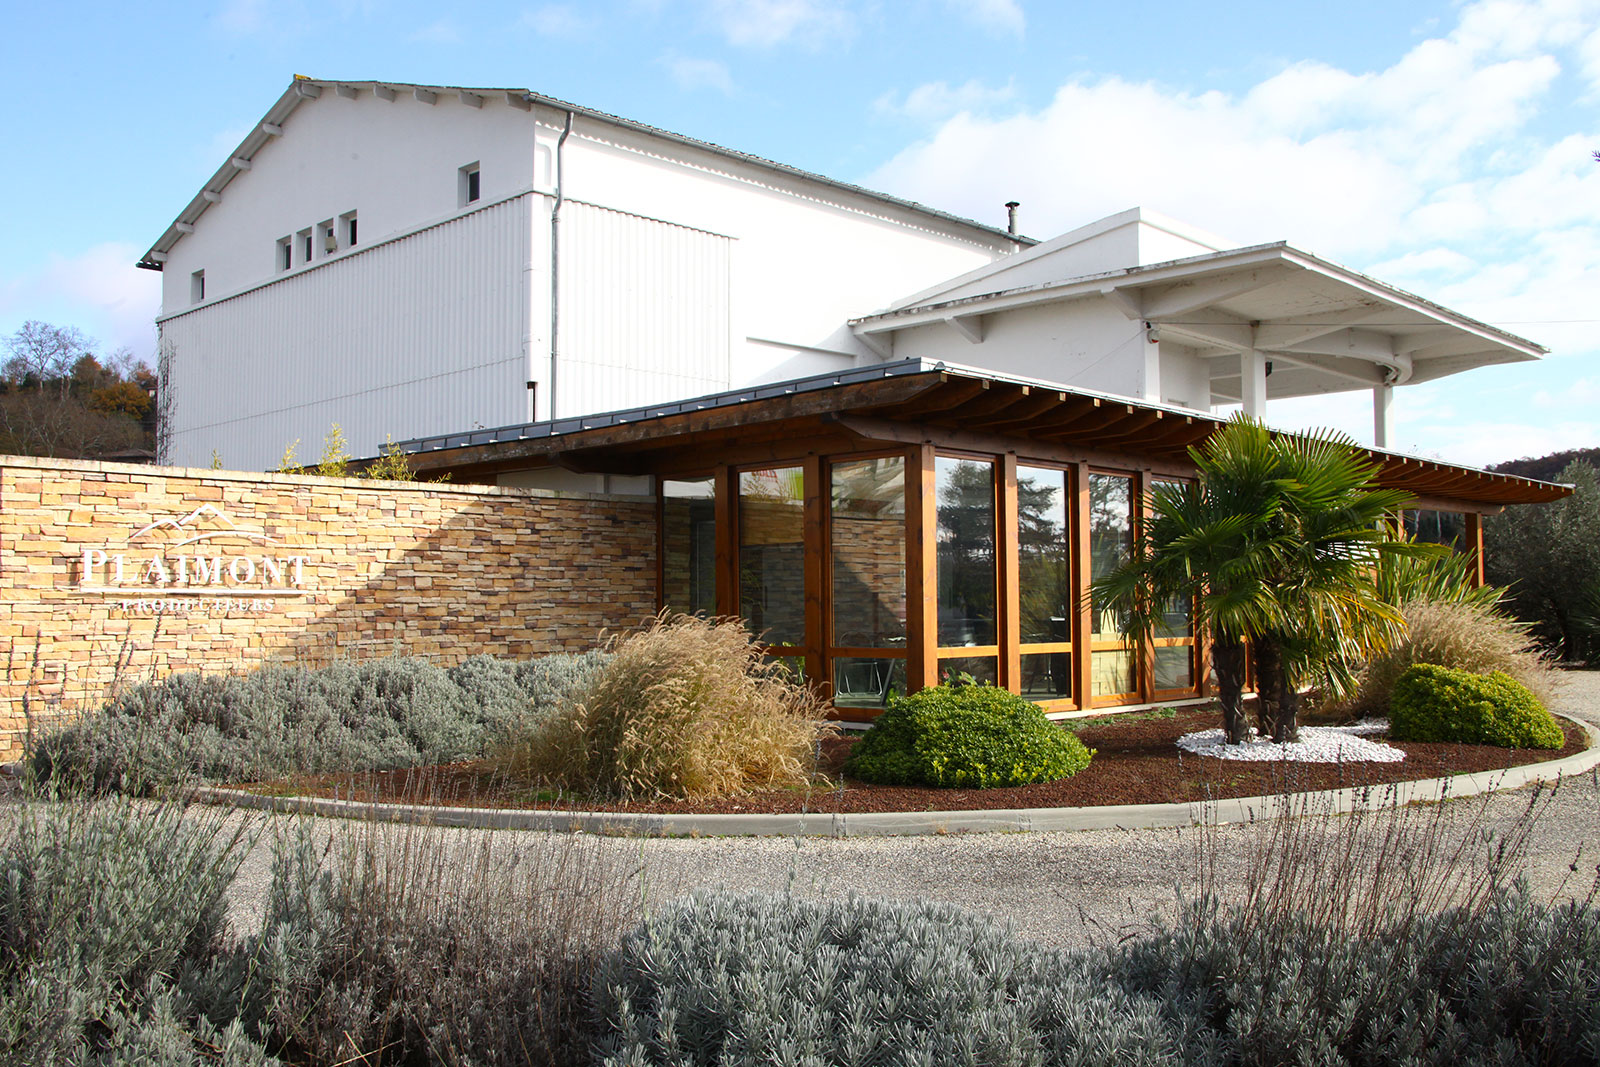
(205, 523)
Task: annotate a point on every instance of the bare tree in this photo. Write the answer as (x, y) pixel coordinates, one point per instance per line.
(42, 354)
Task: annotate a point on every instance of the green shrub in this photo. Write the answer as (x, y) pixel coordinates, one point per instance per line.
(1434, 703)
(1464, 634)
(968, 737)
(276, 721)
(686, 707)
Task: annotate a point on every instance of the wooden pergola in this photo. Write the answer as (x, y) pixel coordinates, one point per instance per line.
(920, 423)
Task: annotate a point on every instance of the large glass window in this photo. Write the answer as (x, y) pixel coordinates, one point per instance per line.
(772, 590)
(867, 527)
(966, 561)
(689, 546)
(869, 553)
(1113, 662)
(1436, 527)
(1045, 583)
(1173, 651)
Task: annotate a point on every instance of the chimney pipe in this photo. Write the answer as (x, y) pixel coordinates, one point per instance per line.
(1011, 216)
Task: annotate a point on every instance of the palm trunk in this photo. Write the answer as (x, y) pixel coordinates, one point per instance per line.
(1269, 684)
(1227, 658)
(1287, 728)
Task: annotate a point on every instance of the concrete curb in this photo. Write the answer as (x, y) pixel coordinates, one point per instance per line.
(869, 824)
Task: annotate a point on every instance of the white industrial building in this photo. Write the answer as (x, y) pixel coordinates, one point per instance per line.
(409, 260)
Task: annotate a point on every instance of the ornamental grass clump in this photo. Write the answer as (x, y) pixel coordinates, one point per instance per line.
(1434, 703)
(1466, 635)
(686, 707)
(975, 737)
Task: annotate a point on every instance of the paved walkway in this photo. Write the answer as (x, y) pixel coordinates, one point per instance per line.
(1058, 887)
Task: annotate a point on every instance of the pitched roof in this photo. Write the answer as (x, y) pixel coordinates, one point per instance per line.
(303, 88)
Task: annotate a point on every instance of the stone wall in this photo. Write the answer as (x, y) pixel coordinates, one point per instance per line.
(111, 573)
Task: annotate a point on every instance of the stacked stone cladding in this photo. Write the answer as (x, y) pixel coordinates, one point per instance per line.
(432, 570)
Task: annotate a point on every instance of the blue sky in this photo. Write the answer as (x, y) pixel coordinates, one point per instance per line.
(1442, 147)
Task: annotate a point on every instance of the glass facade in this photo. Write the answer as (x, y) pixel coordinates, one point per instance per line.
(689, 546)
(966, 564)
(1114, 670)
(1045, 585)
(772, 590)
(868, 553)
(1436, 527)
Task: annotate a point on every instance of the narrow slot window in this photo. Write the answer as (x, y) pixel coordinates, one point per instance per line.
(305, 245)
(197, 287)
(347, 223)
(285, 258)
(467, 185)
(327, 237)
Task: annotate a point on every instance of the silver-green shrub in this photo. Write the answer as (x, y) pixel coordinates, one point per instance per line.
(734, 979)
(112, 918)
(277, 721)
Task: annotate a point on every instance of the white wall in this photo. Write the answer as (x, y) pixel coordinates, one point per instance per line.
(421, 335)
(395, 163)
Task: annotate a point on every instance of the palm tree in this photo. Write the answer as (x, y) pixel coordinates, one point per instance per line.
(1273, 544)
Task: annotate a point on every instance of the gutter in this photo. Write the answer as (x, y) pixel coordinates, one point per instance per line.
(555, 267)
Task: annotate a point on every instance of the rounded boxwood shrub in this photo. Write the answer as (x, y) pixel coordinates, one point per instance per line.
(969, 737)
(1433, 703)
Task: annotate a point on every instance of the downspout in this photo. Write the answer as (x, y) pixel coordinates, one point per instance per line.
(555, 268)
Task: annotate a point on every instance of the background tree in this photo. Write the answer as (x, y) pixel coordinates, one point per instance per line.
(57, 398)
(1549, 556)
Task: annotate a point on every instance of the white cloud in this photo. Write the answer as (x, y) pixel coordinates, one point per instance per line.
(441, 32)
(1458, 172)
(765, 23)
(99, 291)
(691, 74)
(241, 17)
(937, 101)
(999, 17)
(558, 20)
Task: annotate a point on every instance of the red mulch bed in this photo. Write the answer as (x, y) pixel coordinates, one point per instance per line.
(1136, 761)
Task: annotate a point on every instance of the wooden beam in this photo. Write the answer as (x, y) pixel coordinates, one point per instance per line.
(1143, 651)
(1019, 414)
(815, 551)
(1081, 517)
(946, 396)
(1009, 580)
(1474, 548)
(922, 589)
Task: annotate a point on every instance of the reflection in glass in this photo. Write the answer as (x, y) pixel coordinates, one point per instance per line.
(689, 546)
(1174, 667)
(969, 670)
(1113, 672)
(860, 682)
(772, 592)
(1042, 554)
(868, 543)
(1436, 527)
(1047, 675)
(1110, 542)
(966, 578)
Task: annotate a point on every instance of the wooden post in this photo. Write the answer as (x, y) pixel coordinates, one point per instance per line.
(725, 508)
(1009, 582)
(1474, 546)
(815, 553)
(1144, 652)
(1081, 516)
(922, 577)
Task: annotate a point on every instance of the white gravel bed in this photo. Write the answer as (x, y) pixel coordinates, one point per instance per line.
(1317, 744)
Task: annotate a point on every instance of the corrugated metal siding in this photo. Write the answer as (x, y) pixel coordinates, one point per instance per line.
(644, 311)
(416, 336)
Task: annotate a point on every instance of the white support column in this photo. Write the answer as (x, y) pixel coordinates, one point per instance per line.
(1382, 414)
(1253, 383)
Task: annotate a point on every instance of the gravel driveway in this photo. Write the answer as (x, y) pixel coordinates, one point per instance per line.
(1062, 888)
